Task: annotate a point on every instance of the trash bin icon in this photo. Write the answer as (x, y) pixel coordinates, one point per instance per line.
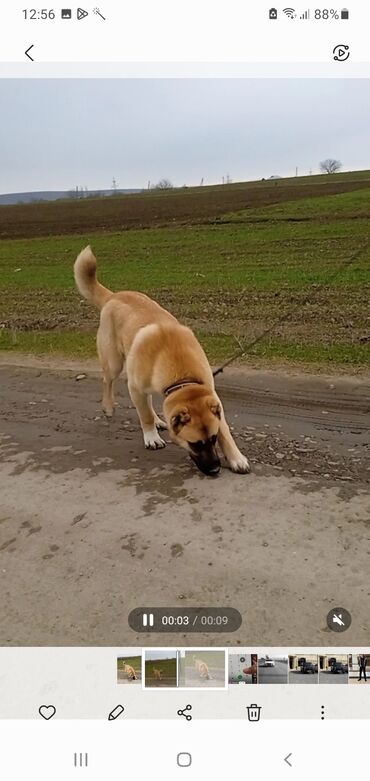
(254, 712)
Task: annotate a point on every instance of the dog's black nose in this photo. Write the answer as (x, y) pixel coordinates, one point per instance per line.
(214, 470)
(209, 467)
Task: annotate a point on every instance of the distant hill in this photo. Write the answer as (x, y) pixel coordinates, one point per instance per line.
(154, 208)
(9, 199)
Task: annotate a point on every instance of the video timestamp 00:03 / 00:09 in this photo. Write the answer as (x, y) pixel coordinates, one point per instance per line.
(193, 619)
(204, 620)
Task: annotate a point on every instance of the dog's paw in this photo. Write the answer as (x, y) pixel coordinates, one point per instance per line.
(240, 465)
(108, 412)
(152, 440)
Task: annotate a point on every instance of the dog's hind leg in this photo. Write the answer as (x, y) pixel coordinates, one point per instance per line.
(111, 362)
(147, 418)
(110, 373)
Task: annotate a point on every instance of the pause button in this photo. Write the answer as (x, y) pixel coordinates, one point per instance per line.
(80, 760)
(148, 619)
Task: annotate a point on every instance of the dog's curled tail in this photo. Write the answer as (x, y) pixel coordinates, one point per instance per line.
(86, 281)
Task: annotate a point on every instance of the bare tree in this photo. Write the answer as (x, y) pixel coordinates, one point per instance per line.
(330, 166)
(114, 186)
(163, 184)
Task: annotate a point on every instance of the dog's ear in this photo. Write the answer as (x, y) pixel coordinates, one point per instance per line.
(215, 407)
(179, 419)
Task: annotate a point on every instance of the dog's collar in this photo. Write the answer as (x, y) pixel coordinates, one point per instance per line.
(178, 385)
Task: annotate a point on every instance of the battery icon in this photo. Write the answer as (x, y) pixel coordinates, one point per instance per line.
(344, 13)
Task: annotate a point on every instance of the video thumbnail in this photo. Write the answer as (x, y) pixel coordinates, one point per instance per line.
(359, 668)
(161, 669)
(202, 669)
(333, 669)
(272, 669)
(242, 668)
(303, 669)
(129, 669)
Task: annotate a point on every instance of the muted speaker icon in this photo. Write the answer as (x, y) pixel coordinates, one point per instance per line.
(338, 619)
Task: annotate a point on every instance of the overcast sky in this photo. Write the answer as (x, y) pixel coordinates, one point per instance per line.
(157, 655)
(56, 134)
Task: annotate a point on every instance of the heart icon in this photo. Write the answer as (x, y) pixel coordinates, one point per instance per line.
(47, 711)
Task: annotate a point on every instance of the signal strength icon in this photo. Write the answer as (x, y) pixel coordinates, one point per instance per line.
(290, 12)
(306, 15)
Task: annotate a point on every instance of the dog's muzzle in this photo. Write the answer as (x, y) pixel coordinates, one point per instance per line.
(207, 460)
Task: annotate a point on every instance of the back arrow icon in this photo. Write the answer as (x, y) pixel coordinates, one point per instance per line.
(286, 759)
(28, 50)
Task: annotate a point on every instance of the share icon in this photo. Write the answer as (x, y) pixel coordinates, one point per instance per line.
(188, 716)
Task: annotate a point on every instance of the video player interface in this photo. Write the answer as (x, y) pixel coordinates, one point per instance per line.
(184, 386)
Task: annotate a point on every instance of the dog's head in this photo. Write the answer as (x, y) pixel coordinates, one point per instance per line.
(193, 416)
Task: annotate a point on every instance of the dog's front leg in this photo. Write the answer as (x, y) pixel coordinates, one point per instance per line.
(237, 462)
(145, 412)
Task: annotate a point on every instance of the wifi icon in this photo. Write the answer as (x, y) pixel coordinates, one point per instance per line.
(290, 12)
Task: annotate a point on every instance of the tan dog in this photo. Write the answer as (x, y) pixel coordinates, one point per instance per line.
(130, 672)
(157, 674)
(202, 668)
(162, 356)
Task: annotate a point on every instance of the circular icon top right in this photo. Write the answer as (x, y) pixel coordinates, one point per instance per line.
(341, 52)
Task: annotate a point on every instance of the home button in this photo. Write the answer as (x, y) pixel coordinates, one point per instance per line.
(184, 759)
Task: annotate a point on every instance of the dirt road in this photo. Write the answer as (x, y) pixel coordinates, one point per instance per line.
(92, 525)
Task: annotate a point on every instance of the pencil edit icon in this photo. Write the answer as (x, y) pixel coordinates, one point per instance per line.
(116, 712)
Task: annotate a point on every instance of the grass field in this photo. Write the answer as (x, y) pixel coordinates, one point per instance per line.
(210, 658)
(228, 261)
(133, 661)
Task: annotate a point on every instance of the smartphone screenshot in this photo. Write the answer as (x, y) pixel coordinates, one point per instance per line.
(184, 390)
